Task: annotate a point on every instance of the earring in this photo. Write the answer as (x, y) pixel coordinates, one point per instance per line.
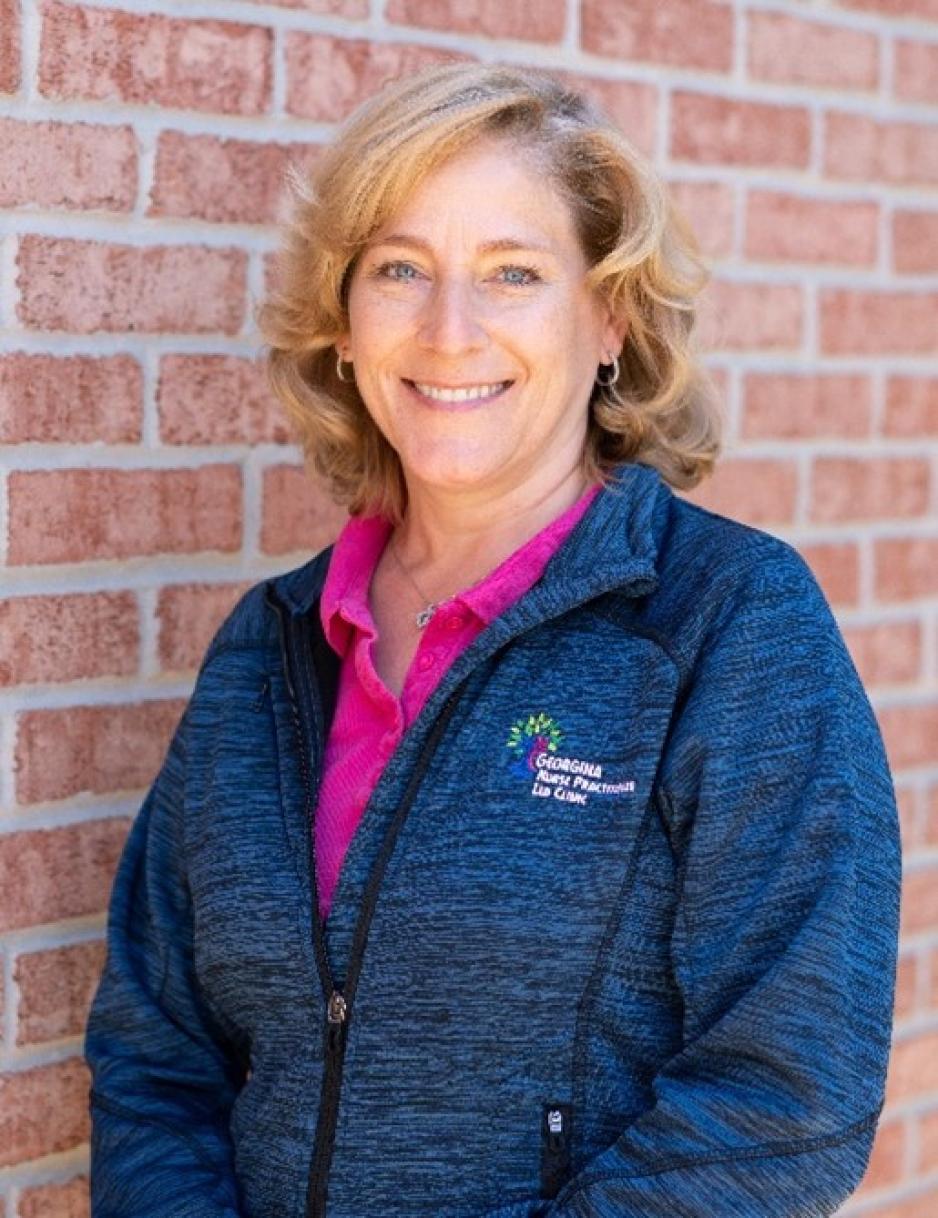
(605, 382)
(338, 369)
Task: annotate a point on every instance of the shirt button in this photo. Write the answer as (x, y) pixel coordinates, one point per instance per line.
(426, 661)
(455, 622)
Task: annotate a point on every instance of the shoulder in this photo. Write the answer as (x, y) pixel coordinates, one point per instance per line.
(252, 622)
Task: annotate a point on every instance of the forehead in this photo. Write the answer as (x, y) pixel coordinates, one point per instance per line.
(494, 193)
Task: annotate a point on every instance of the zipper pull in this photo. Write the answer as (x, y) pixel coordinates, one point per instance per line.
(555, 1129)
(335, 1018)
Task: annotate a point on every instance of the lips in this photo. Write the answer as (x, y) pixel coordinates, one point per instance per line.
(457, 397)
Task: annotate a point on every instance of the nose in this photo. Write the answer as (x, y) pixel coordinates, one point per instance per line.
(450, 322)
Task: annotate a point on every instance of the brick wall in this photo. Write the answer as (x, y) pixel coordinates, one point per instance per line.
(146, 477)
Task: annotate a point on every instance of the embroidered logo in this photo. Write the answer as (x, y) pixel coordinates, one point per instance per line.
(535, 743)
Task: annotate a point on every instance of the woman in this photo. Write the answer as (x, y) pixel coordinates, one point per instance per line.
(533, 850)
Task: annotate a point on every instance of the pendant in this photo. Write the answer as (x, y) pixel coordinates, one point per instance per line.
(423, 617)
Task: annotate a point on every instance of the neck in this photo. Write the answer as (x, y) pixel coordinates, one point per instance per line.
(459, 537)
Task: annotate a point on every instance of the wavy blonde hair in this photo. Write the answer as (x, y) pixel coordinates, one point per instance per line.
(642, 255)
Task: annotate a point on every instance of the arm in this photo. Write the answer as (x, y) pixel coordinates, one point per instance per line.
(777, 799)
(162, 1080)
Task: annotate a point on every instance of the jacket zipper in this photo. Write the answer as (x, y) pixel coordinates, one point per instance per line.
(296, 655)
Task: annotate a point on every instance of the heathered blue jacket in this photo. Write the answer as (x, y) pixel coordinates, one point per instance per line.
(616, 936)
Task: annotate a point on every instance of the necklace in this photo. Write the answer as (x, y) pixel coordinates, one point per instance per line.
(423, 616)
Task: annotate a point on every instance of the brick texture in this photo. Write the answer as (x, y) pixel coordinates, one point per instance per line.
(787, 50)
(202, 177)
(708, 206)
(761, 492)
(886, 653)
(68, 637)
(73, 399)
(85, 286)
(84, 854)
(80, 514)
(790, 406)
(847, 488)
(887, 1160)
(189, 615)
(69, 1200)
(97, 749)
(327, 77)
(910, 733)
(217, 399)
(916, 72)
(297, 514)
(751, 316)
(727, 131)
(860, 148)
(915, 242)
(9, 46)
(532, 20)
(646, 30)
(911, 406)
(906, 567)
(785, 228)
(836, 566)
(43, 1110)
(108, 55)
(56, 988)
(870, 323)
(74, 165)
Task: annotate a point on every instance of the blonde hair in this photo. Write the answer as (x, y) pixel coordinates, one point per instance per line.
(642, 255)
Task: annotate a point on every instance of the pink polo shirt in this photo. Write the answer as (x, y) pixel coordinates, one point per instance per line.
(369, 719)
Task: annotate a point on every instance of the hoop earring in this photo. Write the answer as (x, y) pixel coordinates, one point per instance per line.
(606, 382)
(338, 369)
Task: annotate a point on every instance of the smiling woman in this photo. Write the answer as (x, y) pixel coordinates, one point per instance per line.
(531, 851)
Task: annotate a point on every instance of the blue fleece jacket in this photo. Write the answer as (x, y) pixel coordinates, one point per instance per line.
(616, 936)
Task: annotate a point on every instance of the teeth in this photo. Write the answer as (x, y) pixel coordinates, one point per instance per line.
(470, 393)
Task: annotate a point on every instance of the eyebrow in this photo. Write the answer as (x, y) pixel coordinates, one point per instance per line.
(497, 246)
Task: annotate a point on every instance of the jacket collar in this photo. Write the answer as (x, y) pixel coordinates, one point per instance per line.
(616, 542)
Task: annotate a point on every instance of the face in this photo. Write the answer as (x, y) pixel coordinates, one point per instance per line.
(474, 339)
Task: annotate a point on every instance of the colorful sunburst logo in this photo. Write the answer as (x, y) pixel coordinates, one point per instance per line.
(530, 737)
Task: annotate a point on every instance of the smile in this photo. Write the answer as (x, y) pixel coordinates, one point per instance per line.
(465, 393)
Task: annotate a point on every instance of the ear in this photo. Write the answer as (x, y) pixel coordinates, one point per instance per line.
(614, 332)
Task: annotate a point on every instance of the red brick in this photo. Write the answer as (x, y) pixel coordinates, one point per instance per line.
(869, 488)
(887, 1159)
(72, 165)
(788, 50)
(97, 749)
(757, 491)
(915, 241)
(9, 46)
(709, 207)
(68, 637)
(927, 1142)
(724, 130)
(836, 566)
(859, 148)
(107, 55)
(631, 104)
(923, 1205)
(217, 399)
(785, 228)
(328, 77)
(887, 652)
(74, 399)
(931, 839)
(530, 20)
(896, 8)
(203, 177)
(657, 32)
(856, 321)
(85, 286)
(911, 406)
(189, 615)
(907, 974)
(68, 1200)
(74, 515)
(332, 8)
(298, 514)
(913, 1067)
(751, 316)
(907, 804)
(56, 987)
(43, 1110)
(906, 567)
(795, 406)
(911, 736)
(916, 71)
(70, 869)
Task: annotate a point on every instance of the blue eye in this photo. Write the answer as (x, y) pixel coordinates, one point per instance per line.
(530, 274)
(387, 268)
